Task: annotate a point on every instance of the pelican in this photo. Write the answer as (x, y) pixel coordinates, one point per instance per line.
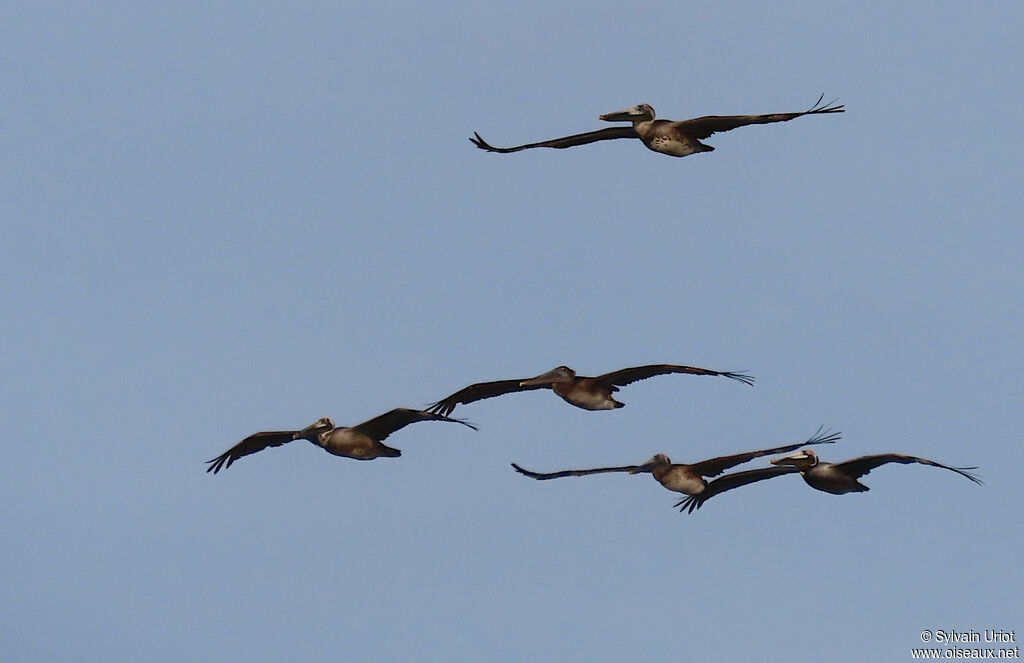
(362, 442)
(835, 478)
(677, 139)
(841, 478)
(583, 392)
(688, 479)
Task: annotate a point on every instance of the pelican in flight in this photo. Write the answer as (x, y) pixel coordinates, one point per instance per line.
(362, 442)
(583, 392)
(835, 478)
(688, 479)
(677, 139)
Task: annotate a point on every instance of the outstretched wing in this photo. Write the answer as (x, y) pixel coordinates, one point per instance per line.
(480, 391)
(703, 127)
(250, 445)
(630, 375)
(715, 466)
(611, 133)
(574, 473)
(730, 481)
(380, 427)
(858, 467)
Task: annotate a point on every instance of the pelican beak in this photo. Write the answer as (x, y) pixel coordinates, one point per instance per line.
(649, 465)
(792, 459)
(555, 375)
(624, 115)
(311, 430)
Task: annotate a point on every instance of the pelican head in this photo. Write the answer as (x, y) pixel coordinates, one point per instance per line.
(560, 374)
(657, 460)
(636, 115)
(803, 459)
(315, 429)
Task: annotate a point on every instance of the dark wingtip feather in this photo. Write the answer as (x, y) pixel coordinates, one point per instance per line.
(461, 421)
(970, 475)
(219, 463)
(741, 376)
(689, 503)
(436, 415)
(823, 436)
(481, 143)
(443, 408)
(826, 108)
(528, 473)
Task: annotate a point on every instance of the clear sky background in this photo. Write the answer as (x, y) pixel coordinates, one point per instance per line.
(222, 218)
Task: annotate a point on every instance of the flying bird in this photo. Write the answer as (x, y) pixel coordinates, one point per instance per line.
(583, 392)
(835, 478)
(677, 139)
(362, 442)
(841, 478)
(687, 479)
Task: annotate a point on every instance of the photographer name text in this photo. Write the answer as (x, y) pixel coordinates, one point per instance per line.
(953, 636)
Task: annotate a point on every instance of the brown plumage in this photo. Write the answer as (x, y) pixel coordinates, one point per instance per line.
(677, 139)
(584, 392)
(689, 478)
(835, 478)
(840, 478)
(362, 442)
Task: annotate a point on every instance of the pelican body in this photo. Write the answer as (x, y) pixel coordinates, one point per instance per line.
(835, 478)
(583, 392)
(689, 479)
(841, 478)
(677, 139)
(361, 442)
(345, 441)
(588, 393)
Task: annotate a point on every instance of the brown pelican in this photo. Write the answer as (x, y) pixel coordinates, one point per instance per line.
(835, 478)
(583, 392)
(688, 479)
(676, 139)
(362, 442)
(841, 478)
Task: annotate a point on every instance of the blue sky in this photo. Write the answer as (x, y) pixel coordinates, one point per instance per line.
(222, 219)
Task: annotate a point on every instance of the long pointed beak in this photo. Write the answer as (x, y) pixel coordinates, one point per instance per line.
(649, 466)
(788, 460)
(543, 378)
(309, 431)
(624, 115)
